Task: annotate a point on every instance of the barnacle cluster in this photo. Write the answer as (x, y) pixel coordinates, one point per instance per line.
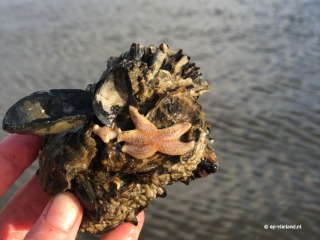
(120, 141)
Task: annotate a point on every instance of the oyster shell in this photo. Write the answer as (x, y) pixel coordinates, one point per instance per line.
(138, 129)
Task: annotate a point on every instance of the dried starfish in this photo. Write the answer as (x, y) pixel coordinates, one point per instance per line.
(146, 139)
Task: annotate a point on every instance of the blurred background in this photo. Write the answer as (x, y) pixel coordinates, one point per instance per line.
(262, 59)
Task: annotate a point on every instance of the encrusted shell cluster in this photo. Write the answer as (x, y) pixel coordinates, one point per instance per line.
(136, 130)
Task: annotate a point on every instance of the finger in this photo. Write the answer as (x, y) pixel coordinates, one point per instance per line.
(17, 152)
(60, 219)
(126, 230)
(23, 210)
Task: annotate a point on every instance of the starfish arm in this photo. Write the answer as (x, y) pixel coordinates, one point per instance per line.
(175, 131)
(139, 152)
(140, 121)
(134, 137)
(175, 147)
(105, 133)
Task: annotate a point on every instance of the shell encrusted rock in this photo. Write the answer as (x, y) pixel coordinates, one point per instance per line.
(145, 130)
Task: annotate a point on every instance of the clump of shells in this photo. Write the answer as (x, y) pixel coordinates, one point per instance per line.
(118, 143)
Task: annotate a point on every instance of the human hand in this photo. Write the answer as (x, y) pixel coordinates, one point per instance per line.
(31, 213)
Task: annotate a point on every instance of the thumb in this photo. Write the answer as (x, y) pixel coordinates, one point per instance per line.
(60, 219)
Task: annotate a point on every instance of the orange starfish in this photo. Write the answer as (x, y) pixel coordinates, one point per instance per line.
(146, 139)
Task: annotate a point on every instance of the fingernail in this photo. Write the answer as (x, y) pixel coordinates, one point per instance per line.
(63, 211)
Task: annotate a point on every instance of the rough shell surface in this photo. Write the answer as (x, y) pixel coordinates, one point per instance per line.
(109, 159)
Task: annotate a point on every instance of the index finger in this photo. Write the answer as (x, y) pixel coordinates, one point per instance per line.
(17, 152)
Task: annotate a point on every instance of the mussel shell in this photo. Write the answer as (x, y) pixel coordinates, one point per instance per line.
(49, 112)
(111, 95)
